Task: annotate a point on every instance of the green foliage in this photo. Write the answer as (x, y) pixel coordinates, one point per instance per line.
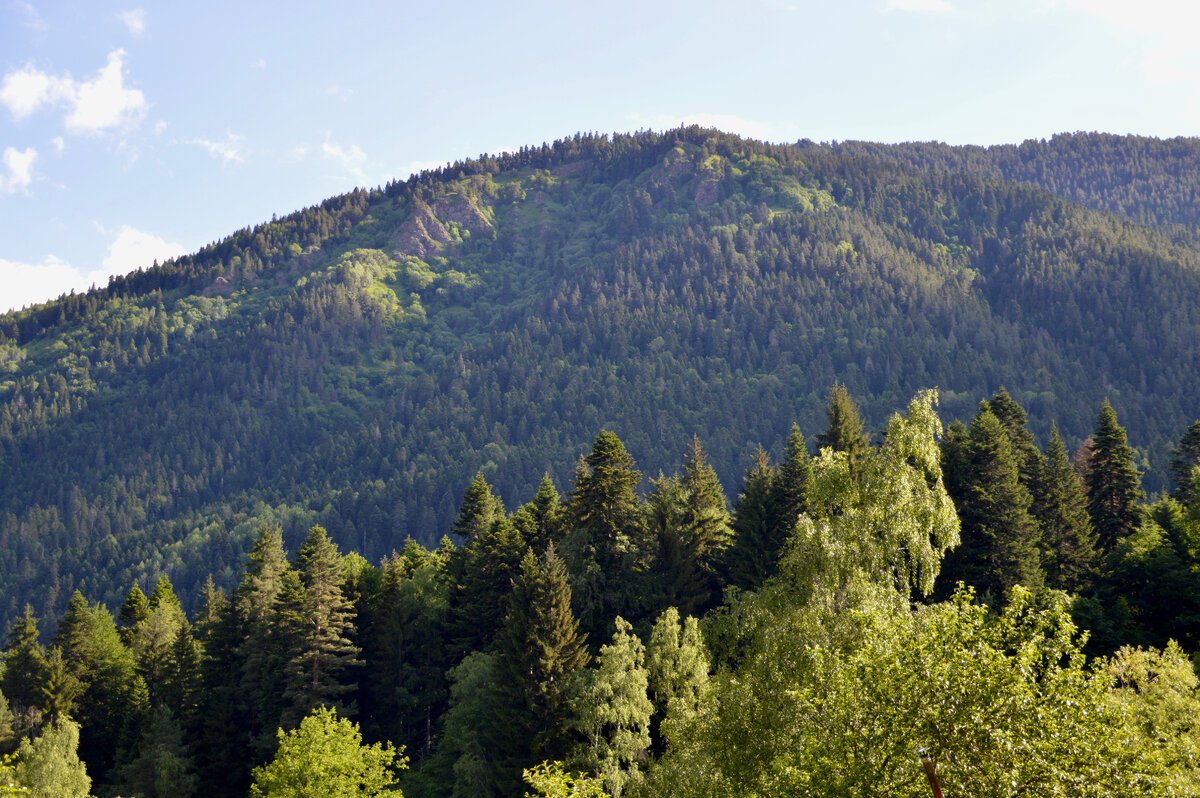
(844, 430)
(1113, 482)
(611, 711)
(49, 766)
(551, 781)
(326, 758)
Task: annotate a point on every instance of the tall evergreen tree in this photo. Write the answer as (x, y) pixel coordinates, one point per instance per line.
(702, 536)
(789, 492)
(255, 604)
(319, 673)
(489, 564)
(844, 428)
(540, 522)
(605, 545)
(133, 611)
(1113, 482)
(1061, 506)
(1185, 457)
(538, 651)
(756, 544)
(25, 667)
(1000, 546)
(1013, 418)
(479, 508)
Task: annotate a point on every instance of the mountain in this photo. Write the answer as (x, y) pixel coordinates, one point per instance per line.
(354, 364)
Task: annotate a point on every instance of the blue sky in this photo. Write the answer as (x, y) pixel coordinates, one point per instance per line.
(136, 131)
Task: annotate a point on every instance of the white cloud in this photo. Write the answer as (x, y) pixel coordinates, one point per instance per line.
(261, 63)
(27, 90)
(134, 20)
(59, 144)
(92, 106)
(231, 150)
(919, 5)
(33, 20)
(18, 169)
(34, 283)
(351, 159)
(342, 93)
(104, 102)
(134, 249)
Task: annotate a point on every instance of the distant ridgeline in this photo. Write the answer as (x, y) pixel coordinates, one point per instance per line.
(354, 364)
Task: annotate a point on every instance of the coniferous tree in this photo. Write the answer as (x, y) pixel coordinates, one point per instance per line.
(540, 522)
(133, 611)
(1013, 418)
(24, 663)
(605, 545)
(162, 767)
(1185, 457)
(258, 656)
(489, 564)
(538, 651)
(844, 429)
(152, 638)
(220, 731)
(1000, 546)
(702, 536)
(8, 736)
(60, 689)
(1113, 482)
(756, 544)
(479, 508)
(318, 674)
(1061, 506)
(789, 492)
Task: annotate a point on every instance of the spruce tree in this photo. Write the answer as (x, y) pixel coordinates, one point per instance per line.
(756, 544)
(844, 429)
(25, 668)
(1000, 546)
(1061, 506)
(489, 564)
(133, 611)
(789, 492)
(539, 650)
(319, 674)
(479, 508)
(1113, 482)
(1185, 457)
(254, 602)
(705, 532)
(540, 522)
(1013, 418)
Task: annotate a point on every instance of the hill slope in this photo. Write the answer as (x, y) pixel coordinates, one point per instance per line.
(355, 363)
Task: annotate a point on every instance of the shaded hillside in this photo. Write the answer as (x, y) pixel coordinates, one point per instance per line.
(355, 363)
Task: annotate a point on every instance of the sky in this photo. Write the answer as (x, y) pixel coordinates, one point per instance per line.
(131, 132)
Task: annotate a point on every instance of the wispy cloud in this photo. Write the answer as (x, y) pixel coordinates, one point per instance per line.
(92, 106)
(135, 249)
(350, 158)
(28, 284)
(33, 20)
(230, 150)
(17, 173)
(919, 6)
(134, 20)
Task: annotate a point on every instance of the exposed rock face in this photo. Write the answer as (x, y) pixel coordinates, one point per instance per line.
(425, 230)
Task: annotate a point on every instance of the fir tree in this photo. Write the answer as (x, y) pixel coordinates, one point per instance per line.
(538, 650)
(1185, 457)
(478, 510)
(1113, 482)
(319, 673)
(489, 565)
(999, 538)
(25, 668)
(756, 544)
(540, 522)
(844, 429)
(1061, 506)
(1013, 418)
(133, 611)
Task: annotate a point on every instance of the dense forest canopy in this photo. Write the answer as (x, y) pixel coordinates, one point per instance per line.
(354, 364)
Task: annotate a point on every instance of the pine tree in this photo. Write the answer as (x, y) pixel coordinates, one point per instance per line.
(1000, 546)
(1013, 418)
(606, 541)
(1113, 483)
(489, 564)
(25, 668)
(538, 650)
(478, 510)
(756, 544)
(844, 430)
(1061, 506)
(319, 674)
(1184, 459)
(133, 611)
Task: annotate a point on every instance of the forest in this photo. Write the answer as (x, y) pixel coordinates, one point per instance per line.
(255, 501)
(916, 589)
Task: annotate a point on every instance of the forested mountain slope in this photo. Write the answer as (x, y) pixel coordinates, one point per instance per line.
(355, 363)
